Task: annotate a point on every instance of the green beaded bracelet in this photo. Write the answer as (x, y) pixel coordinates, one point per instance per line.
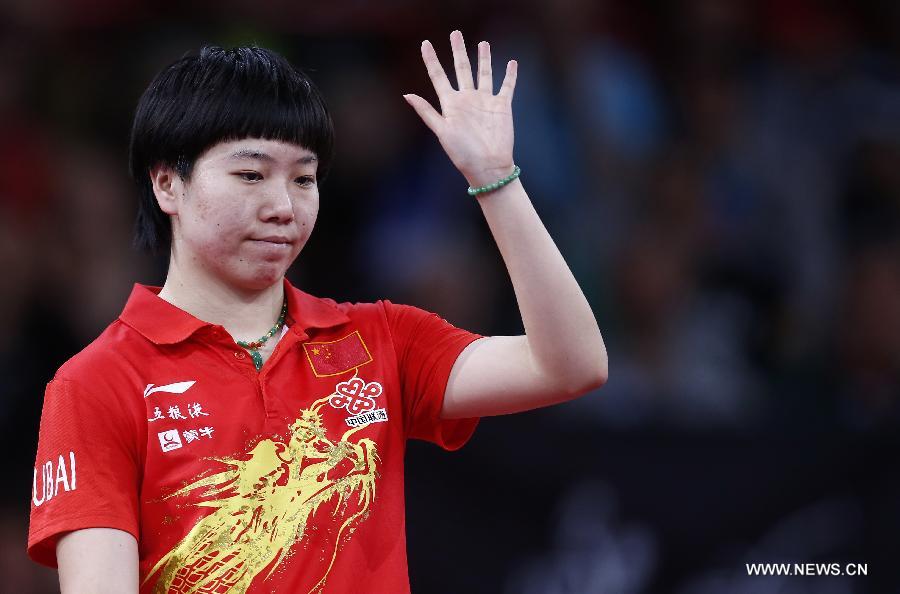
(497, 184)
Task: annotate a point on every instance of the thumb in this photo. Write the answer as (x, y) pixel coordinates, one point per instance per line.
(428, 114)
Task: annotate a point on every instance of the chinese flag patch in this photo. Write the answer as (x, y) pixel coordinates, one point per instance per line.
(337, 356)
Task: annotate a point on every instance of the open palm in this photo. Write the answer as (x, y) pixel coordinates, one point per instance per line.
(475, 126)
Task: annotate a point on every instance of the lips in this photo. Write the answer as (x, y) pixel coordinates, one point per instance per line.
(276, 239)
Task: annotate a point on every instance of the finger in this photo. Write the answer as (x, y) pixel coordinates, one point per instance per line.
(461, 62)
(509, 81)
(485, 76)
(428, 114)
(435, 71)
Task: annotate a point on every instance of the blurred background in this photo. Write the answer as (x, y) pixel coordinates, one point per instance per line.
(723, 177)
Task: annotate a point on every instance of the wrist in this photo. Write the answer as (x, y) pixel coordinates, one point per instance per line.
(488, 175)
(495, 185)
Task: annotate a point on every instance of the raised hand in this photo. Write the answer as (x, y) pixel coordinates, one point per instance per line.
(475, 126)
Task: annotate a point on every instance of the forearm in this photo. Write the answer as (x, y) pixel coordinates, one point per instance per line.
(562, 333)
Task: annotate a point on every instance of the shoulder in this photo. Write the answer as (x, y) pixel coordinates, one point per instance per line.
(103, 379)
(356, 309)
(325, 311)
(381, 307)
(105, 360)
(383, 312)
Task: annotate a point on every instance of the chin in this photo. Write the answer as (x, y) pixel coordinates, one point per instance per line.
(262, 276)
(258, 272)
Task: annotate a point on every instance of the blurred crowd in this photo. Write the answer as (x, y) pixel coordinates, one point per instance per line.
(722, 176)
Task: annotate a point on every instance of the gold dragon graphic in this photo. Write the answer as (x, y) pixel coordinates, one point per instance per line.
(263, 504)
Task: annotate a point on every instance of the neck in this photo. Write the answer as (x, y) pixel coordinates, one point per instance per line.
(246, 314)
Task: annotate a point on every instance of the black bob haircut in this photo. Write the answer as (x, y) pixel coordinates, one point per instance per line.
(218, 96)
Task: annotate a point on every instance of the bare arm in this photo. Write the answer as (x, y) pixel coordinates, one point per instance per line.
(562, 353)
(98, 561)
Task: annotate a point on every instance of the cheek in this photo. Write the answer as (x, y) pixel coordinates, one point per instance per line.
(213, 203)
(215, 225)
(220, 214)
(305, 213)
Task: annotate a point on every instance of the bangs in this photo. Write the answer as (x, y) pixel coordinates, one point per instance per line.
(252, 93)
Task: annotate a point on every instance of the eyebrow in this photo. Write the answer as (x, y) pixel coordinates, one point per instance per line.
(253, 154)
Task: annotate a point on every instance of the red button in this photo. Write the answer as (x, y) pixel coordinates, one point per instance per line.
(240, 355)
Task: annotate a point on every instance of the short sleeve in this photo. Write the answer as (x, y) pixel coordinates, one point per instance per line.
(427, 346)
(86, 474)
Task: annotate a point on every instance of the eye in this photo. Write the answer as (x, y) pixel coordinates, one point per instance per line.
(250, 176)
(307, 181)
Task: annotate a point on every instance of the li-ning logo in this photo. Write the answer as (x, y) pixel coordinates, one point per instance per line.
(177, 388)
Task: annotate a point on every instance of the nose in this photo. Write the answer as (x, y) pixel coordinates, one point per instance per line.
(278, 206)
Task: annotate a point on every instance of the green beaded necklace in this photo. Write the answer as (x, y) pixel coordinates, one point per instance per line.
(253, 347)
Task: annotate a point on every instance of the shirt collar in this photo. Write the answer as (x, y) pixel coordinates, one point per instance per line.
(163, 323)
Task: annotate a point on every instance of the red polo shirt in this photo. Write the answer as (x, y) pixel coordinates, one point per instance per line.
(285, 480)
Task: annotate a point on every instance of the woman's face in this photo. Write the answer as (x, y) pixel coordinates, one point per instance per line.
(246, 211)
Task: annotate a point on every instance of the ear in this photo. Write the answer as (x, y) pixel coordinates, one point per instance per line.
(168, 187)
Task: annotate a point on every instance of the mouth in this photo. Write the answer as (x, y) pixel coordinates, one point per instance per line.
(277, 240)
